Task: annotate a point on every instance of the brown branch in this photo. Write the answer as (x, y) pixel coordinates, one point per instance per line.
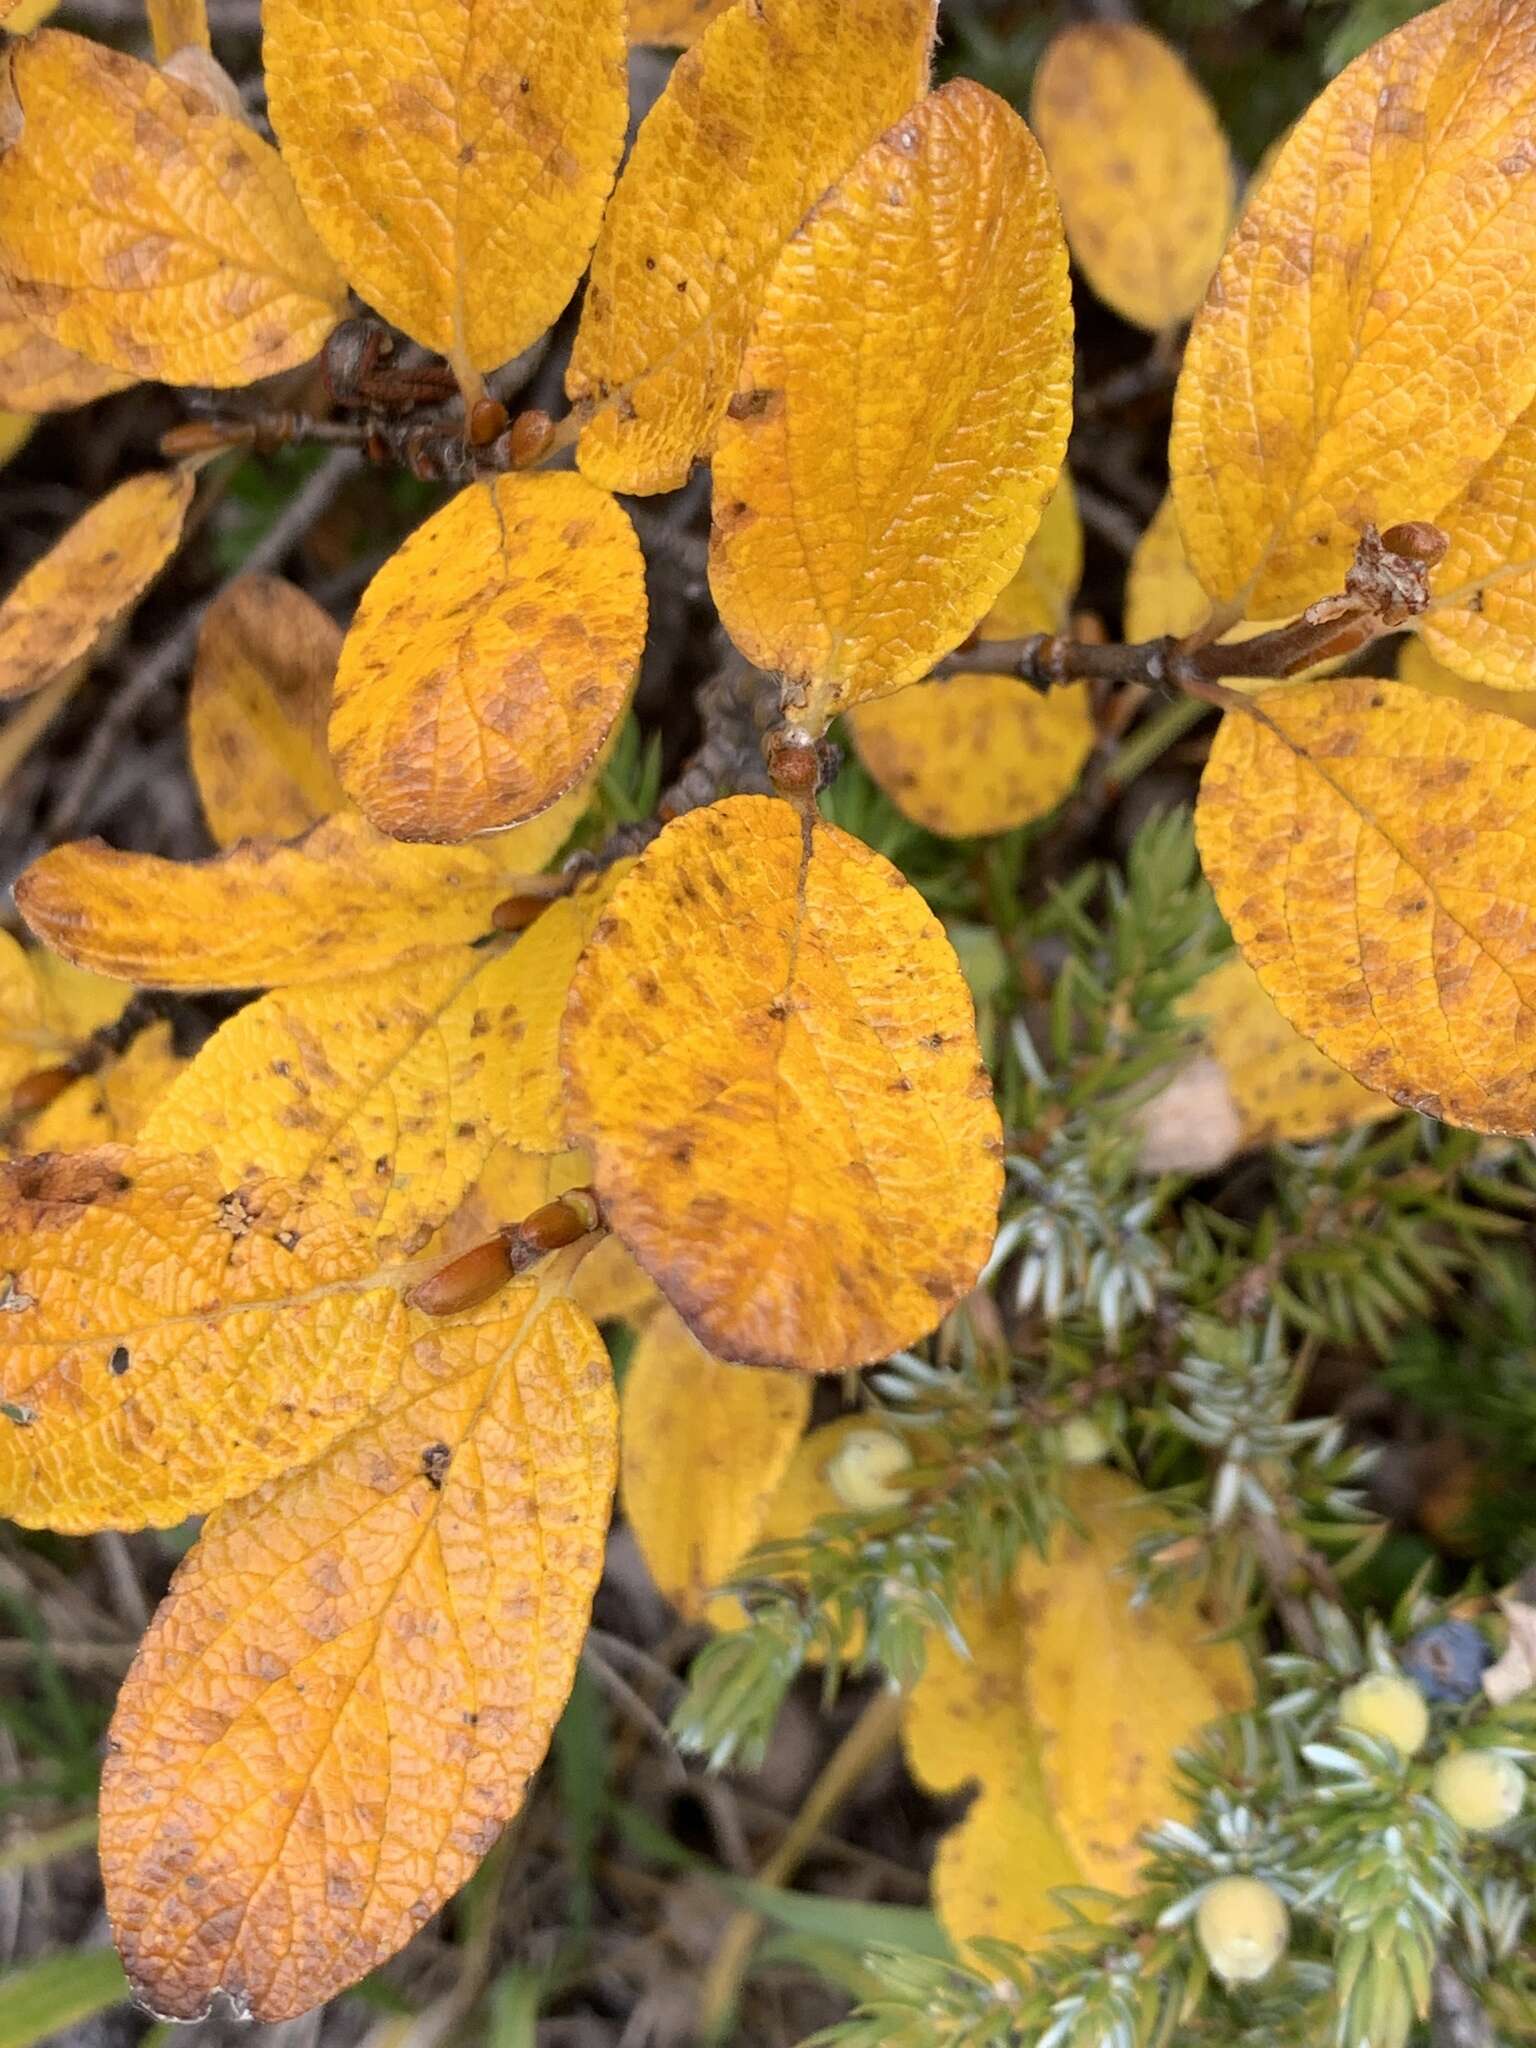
(1387, 584)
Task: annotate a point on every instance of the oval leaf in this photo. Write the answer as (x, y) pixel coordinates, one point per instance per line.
(1482, 617)
(170, 1343)
(150, 232)
(726, 1432)
(503, 121)
(975, 754)
(772, 1058)
(48, 1010)
(1140, 166)
(1284, 1090)
(384, 1093)
(1402, 942)
(1370, 334)
(490, 658)
(967, 1721)
(1115, 1687)
(772, 107)
(341, 1702)
(256, 718)
(341, 899)
(36, 375)
(897, 426)
(65, 604)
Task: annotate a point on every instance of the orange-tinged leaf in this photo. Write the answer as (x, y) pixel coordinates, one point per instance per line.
(897, 426)
(36, 375)
(1039, 596)
(1115, 1689)
(66, 602)
(490, 658)
(771, 108)
(454, 155)
(1282, 1087)
(357, 1670)
(172, 1342)
(967, 1721)
(1417, 666)
(1402, 943)
(256, 717)
(703, 1448)
(771, 1055)
(149, 231)
(109, 1106)
(384, 1093)
(341, 899)
(1370, 335)
(177, 25)
(48, 1010)
(975, 754)
(672, 23)
(1140, 166)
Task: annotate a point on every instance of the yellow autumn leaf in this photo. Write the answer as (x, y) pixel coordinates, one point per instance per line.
(1370, 335)
(172, 1342)
(1418, 667)
(1115, 1688)
(22, 16)
(771, 107)
(973, 754)
(147, 230)
(1402, 943)
(1046, 581)
(804, 1496)
(547, 954)
(15, 432)
(383, 1093)
(703, 1447)
(36, 375)
(177, 25)
(256, 717)
(1162, 592)
(1140, 166)
(341, 1702)
(1482, 615)
(1282, 1088)
(490, 658)
(672, 23)
(503, 126)
(109, 1105)
(863, 521)
(771, 1056)
(967, 1721)
(48, 1009)
(66, 602)
(340, 899)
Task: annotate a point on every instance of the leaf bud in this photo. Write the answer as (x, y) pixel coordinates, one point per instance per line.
(527, 438)
(1417, 540)
(466, 1281)
(1389, 1707)
(1243, 1927)
(860, 1471)
(487, 419)
(1479, 1789)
